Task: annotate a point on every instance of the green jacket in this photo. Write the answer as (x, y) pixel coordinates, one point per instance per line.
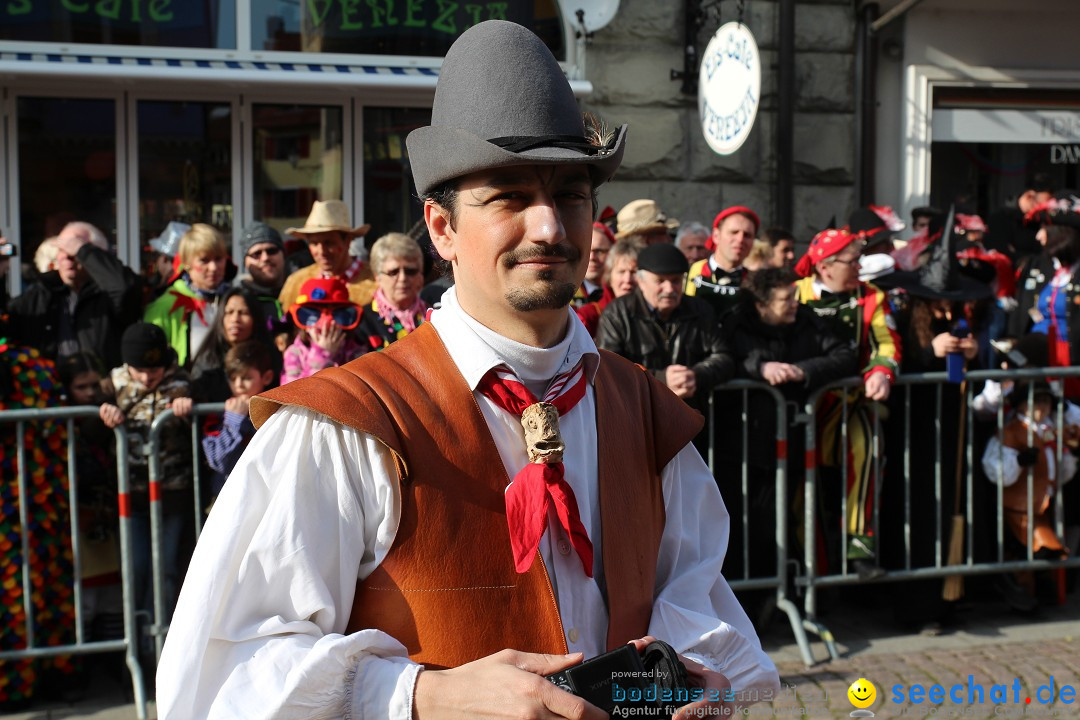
(171, 312)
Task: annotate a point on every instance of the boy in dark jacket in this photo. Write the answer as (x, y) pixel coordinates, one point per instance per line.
(139, 391)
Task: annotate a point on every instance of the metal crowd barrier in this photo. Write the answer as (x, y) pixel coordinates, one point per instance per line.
(808, 578)
(778, 580)
(811, 578)
(162, 613)
(130, 642)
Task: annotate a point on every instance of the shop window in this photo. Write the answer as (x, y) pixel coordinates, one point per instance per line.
(390, 202)
(990, 142)
(67, 169)
(185, 166)
(297, 160)
(167, 23)
(391, 27)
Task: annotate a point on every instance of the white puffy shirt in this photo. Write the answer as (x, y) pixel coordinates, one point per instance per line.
(313, 506)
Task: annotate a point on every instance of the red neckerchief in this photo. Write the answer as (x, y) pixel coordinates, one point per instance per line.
(188, 305)
(537, 485)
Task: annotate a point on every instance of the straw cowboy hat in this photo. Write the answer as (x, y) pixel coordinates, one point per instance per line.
(327, 216)
(503, 100)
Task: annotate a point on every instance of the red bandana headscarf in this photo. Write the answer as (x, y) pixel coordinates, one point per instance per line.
(824, 245)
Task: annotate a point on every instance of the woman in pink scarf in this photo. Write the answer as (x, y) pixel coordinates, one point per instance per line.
(397, 309)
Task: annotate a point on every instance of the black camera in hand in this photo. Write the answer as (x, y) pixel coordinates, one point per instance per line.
(653, 682)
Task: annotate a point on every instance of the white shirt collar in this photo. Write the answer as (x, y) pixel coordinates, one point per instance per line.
(476, 348)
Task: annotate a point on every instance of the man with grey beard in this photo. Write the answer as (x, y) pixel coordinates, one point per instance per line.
(674, 336)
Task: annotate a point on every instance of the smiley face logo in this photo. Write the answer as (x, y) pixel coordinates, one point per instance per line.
(862, 693)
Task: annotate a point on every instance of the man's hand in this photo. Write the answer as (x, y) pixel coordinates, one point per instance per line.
(69, 242)
(681, 380)
(713, 684)
(508, 684)
(110, 415)
(778, 373)
(877, 387)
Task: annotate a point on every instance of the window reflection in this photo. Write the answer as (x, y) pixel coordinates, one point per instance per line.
(390, 202)
(391, 27)
(185, 166)
(298, 159)
(67, 169)
(169, 23)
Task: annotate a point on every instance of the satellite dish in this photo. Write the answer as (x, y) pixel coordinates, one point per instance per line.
(597, 13)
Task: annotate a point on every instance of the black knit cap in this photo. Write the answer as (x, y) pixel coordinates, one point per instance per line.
(663, 259)
(256, 233)
(145, 346)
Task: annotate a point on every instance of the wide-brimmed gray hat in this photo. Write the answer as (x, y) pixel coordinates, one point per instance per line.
(503, 100)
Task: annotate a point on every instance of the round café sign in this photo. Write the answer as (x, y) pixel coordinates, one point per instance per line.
(729, 88)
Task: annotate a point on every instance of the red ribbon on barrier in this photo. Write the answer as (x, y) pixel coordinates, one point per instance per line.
(155, 491)
(123, 502)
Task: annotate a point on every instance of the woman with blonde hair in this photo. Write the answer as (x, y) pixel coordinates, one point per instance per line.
(186, 310)
(396, 310)
(620, 278)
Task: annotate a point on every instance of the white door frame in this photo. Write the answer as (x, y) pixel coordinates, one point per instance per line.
(916, 127)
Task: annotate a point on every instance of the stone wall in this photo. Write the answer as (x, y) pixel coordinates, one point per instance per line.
(629, 64)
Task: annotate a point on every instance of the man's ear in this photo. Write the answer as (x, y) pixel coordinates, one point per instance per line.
(267, 377)
(441, 231)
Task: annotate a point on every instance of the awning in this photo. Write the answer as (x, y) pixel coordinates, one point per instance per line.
(228, 72)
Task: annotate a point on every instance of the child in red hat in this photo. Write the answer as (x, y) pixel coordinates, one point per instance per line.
(324, 315)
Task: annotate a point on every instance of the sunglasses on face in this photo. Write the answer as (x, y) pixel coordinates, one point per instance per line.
(268, 252)
(345, 317)
(409, 272)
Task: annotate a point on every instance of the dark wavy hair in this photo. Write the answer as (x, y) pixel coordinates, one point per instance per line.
(212, 352)
(1063, 243)
(760, 283)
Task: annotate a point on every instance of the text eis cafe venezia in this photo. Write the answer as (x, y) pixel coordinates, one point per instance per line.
(132, 113)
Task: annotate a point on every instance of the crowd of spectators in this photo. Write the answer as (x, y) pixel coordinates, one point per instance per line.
(695, 305)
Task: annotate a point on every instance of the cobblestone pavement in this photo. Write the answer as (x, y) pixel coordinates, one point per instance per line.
(1032, 657)
(1039, 670)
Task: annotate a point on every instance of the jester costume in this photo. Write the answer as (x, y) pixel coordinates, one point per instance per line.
(863, 317)
(28, 380)
(720, 288)
(381, 325)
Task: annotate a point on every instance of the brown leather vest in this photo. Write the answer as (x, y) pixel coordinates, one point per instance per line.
(447, 589)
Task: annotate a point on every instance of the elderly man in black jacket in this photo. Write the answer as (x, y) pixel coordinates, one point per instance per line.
(82, 306)
(675, 337)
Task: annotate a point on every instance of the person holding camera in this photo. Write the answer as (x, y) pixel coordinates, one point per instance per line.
(83, 305)
(430, 530)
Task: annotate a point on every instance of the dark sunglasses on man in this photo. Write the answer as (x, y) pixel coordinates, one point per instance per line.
(345, 317)
(267, 251)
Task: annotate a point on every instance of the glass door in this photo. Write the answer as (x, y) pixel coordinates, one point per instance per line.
(66, 170)
(298, 156)
(185, 166)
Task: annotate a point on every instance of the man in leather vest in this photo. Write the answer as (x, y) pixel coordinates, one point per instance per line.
(429, 530)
